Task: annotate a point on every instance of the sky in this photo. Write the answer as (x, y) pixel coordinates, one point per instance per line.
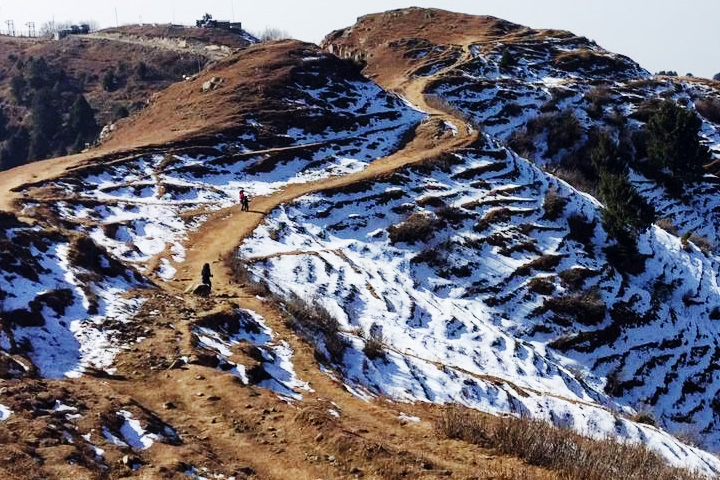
(660, 34)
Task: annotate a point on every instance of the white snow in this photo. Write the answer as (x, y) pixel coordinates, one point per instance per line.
(133, 433)
(5, 413)
(277, 354)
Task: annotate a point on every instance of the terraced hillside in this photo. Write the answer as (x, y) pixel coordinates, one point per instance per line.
(409, 245)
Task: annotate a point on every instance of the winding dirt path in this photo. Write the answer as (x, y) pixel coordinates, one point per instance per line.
(225, 229)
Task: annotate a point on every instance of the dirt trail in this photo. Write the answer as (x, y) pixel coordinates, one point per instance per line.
(225, 229)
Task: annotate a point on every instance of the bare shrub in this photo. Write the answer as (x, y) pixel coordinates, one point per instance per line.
(522, 143)
(313, 322)
(542, 286)
(418, 226)
(242, 276)
(374, 345)
(496, 215)
(566, 452)
(544, 263)
(554, 204)
(440, 103)
(668, 225)
(709, 107)
(271, 34)
(575, 277)
(586, 308)
(644, 417)
(703, 243)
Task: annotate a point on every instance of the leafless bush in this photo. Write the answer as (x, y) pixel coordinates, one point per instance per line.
(438, 102)
(585, 307)
(566, 452)
(544, 263)
(709, 107)
(374, 346)
(271, 34)
(496, 215)
(703, 243)
(418, 226)
(313, 322)
(542, 286)
(242, 276)
(554, 204)
(668, 225)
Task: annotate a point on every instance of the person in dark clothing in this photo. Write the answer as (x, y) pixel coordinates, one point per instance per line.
(244, 201)
(206, 275)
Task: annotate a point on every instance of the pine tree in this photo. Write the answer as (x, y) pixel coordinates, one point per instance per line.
(45, 125)
(626, 214)
(605, 155)
(82, 124)
(673, 143)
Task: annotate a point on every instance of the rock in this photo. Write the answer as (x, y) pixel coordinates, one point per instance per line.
(212, 84)
(201, 290)
(169, 406)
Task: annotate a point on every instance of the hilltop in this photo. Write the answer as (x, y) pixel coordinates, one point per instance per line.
(57, 96)
(435, 278)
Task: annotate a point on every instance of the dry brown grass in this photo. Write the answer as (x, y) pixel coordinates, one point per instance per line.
(554, 204)
(566, 452)
(315, 325)
(418, 226)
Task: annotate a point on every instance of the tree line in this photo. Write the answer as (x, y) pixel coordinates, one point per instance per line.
(58, 119)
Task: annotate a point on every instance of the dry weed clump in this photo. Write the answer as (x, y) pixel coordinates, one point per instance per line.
(315, 325)
(703, 243)
(554, 204)
(668, 225)
(586, 308)
(563, 451)
(418, 226)
(709, 108)
(242, 276)
(374, 346)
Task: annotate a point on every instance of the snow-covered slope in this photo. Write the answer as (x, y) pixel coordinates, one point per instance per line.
(470, 287)
(457, 304)
(139, 206)
(64, 302)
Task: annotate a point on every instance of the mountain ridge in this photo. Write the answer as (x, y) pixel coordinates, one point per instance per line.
(421, 237)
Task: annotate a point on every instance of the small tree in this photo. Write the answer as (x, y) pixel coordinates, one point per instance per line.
(18, 85)
(82, 123)
(45, 125)
(626, 214)
(605, 155)
(673, 142)
(507, 60)
(271, 34)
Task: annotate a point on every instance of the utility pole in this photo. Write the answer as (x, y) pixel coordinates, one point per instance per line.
(232, 8)
(117, 24)
(31, 29)
(11, 27)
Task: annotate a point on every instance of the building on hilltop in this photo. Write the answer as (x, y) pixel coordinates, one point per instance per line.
(207, 22)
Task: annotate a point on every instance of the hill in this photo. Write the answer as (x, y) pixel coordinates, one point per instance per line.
(58, 95)
(414, 293)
